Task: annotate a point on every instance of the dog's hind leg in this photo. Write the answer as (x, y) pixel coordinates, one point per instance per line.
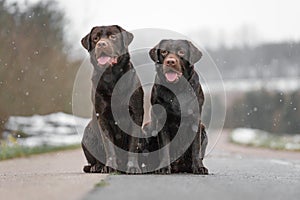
(94, 165)
(204, 141)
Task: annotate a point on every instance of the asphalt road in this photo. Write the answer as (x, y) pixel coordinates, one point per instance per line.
(48, 176)
(236, 173)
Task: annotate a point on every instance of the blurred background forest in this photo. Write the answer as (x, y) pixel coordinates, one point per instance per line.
(270, 100)
(37, 73)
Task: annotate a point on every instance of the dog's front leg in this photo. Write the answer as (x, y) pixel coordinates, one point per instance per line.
(111, 158)
(158, 118)
(198, 151)
(132, 164)
(164, 153)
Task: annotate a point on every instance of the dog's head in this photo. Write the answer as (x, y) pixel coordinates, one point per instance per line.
(175, 58)
(107, 44)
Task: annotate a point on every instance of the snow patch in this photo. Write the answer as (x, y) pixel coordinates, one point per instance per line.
(259, 138)
(56, 129)
(243, 136)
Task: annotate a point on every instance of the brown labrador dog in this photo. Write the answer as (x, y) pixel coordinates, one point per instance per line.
(174, 61)
(108, 49)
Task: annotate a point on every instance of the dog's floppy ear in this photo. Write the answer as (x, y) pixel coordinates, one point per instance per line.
(127, 36)
(195, 53)
(86, 41)
(153, 53)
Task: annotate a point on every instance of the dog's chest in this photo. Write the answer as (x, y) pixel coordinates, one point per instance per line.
(110, 92)
(168, 100)
(182, 103)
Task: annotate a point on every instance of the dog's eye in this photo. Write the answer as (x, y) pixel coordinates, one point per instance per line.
(113, 37)
(181, 53)
(164, 53)
(96, 39)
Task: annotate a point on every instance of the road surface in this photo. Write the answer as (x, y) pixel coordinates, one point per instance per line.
(47, 176)
(236, 173)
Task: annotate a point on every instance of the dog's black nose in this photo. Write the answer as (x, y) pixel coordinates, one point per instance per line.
(170, 62)
(102, 44)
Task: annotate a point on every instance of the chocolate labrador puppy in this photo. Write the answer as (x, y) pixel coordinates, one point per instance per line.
(174, 61)
(108, 49)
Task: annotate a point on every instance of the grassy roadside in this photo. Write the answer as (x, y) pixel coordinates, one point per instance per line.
(17, 151)
(259, 138)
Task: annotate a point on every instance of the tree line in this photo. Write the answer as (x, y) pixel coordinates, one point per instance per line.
(263, 61)
(36, 76)
(273, 111)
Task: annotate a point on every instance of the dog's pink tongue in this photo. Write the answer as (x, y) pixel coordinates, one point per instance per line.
(171, 76)
(103, 60)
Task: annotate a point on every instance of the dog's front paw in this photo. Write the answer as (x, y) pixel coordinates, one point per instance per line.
(134, 170)
(133, 167)
(108, 170)
(97, 168)
(164, 170)
(110, 166)
(200, 170)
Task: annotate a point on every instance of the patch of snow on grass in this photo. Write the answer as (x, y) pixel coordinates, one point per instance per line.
(259, 138)
(243, 135)
(56, 129)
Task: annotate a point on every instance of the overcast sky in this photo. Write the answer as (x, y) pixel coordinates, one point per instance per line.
(211, 22)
